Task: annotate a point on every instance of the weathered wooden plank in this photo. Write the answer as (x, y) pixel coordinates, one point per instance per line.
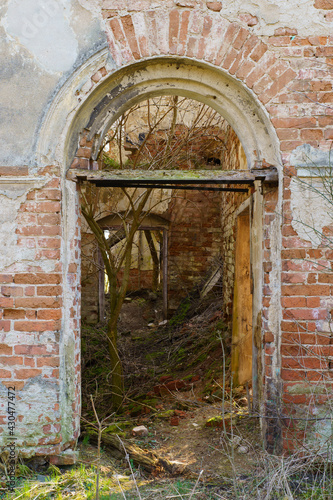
(193, 177)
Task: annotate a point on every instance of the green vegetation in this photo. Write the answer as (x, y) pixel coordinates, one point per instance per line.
(179, 317)
(110, 163)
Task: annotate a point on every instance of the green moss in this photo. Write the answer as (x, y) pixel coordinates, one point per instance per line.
(118, 427)
(181, 353)
(218, 420)
(110, 163)
(165, 414)
(182, 311)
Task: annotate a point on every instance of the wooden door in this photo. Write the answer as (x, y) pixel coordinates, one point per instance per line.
(241, 359)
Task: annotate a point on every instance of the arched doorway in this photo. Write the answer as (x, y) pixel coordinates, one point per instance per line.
(228, 96)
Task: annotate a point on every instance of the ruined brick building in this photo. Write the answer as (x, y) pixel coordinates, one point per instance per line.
(69, 69)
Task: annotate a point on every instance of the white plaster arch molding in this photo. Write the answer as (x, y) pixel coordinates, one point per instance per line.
(120, 89)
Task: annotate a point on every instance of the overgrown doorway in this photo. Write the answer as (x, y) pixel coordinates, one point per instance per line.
(192, 165)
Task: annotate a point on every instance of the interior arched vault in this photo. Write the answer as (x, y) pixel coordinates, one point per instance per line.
(185, 77)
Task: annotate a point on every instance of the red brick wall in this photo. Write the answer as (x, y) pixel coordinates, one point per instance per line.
(194, 240)
(31, 322)
(306, 338)
(291, 78)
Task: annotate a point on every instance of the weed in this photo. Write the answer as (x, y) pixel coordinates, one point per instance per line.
(85, 440)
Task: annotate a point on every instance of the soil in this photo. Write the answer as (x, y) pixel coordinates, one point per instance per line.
(174, 378)
(178, 386)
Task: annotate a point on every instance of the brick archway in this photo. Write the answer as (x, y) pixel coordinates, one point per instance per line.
(222, 75)
(162, 76)
(194, 79)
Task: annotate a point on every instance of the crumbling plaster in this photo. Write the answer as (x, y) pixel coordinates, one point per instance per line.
(270, 14)
(311, 200)
(273, 14)
(311, 209)
(13, 192)
(41, 44)
(37, 399)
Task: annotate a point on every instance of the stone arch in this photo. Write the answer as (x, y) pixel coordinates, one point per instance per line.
(141, 36)
(165, 75)
(222, 75)
(117, 92)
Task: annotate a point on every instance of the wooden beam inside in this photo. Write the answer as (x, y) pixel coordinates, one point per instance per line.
(143, 178)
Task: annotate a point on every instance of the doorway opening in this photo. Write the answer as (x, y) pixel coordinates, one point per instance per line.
(173, 169)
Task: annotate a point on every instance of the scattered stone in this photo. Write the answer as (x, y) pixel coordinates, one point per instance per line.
(164, 392)
(166, 414)
(162, 323)
(236, 440)
(180, 414)
(157, 390)
(243, 449)
(218, 421)
(140, 430)
(214, 422)
(67, 457)
(175, 385)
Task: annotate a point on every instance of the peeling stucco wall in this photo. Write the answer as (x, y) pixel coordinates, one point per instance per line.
(268, 72)
(311, 195)
(312, 209)
(13, 193)
(274, 14)
(41, 43)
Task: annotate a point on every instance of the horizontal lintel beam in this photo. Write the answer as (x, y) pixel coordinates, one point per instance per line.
(167, 186)
(120, 178)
